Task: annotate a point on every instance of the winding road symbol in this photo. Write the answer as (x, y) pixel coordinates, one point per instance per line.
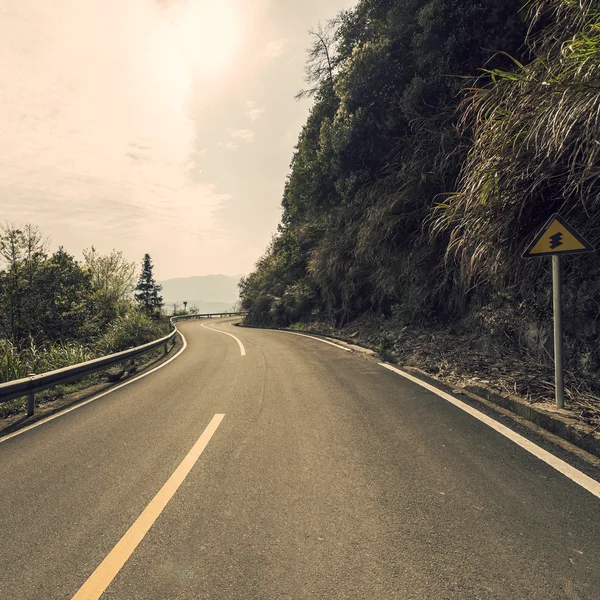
(557, 237)
(556, 240)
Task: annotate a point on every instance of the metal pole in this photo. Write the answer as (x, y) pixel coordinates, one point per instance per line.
(558, 342)
(30, 404)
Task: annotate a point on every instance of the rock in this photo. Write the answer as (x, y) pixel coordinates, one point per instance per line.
(536, 336)
(115, 373)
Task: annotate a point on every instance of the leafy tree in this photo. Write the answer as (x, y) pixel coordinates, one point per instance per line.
(148, 291)
(47, 299)
(63, 299)
(22, 252)
(113, 280)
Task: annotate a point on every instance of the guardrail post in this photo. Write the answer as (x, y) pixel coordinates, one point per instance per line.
(30, 404)
(165, 348)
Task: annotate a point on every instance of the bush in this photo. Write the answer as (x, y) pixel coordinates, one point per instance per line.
(133, 329)
(259, 310)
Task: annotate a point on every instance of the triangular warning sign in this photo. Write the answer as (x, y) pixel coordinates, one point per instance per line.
(557, 237)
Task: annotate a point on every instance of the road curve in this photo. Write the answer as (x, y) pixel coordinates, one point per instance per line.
(324, 476)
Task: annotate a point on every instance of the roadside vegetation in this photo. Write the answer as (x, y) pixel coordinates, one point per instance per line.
(56, 311)
(442, 136)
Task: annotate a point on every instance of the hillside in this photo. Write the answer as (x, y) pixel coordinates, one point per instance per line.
(442, 136)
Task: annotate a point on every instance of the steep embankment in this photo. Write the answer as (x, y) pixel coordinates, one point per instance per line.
(415, 187)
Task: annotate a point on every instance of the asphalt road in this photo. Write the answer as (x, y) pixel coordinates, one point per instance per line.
(328, 477)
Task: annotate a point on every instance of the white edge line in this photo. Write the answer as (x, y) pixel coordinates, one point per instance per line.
(591, 485)
(312, 337)
(76, 406)
(242, 349)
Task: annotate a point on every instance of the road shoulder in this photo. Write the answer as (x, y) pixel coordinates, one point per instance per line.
(564, 436)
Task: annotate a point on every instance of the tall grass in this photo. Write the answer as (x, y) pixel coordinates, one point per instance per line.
(535, 150)
(18, 362)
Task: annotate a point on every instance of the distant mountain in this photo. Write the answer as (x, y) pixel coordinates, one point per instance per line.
(208, 293)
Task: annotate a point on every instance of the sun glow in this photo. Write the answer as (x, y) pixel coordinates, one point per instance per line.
(207, 34)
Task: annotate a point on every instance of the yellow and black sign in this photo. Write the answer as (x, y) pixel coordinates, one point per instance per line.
(557, 237)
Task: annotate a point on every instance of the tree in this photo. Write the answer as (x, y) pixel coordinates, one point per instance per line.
(62, 293)
(321, 63)
(22, 251)
(113, 280)
(112, 274)
(147, 290)
(41, 298)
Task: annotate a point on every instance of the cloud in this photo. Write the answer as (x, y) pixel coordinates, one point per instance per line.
(274, 48)
(243, 134)
(227, 145)
(254, 112)
(98, 137)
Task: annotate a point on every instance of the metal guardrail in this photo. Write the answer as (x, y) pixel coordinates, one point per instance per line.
(29, 386)
(208, 316)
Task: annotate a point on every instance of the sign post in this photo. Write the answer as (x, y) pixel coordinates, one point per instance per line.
(559, 381)
(555, 238)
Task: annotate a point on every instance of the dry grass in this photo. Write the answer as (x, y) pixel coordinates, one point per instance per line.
(535, 150)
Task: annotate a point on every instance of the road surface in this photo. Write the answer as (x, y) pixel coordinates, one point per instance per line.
(274, 466)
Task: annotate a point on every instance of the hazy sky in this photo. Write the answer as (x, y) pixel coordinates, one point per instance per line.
(159, 126)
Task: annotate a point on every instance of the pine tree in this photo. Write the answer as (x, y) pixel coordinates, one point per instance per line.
(147, 290)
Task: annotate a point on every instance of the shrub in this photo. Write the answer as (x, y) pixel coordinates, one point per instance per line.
(132, 329)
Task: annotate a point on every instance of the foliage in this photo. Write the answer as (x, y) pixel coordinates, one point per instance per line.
(379, 145)
(63, 292)
(20, 361)
(132, 329)
(147, 290)
(443, 136)
(46, 297)
(22, 252)
(535, 150)
(113, 281)
(56, 312)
